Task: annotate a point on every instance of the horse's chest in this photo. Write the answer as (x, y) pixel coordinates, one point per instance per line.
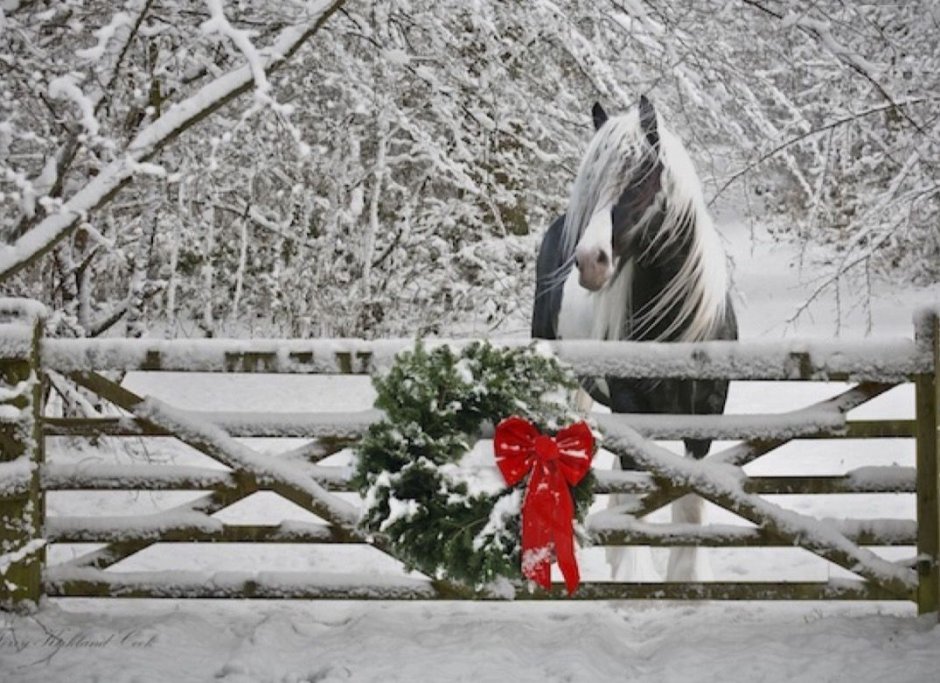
(596, 315)
(576, 316)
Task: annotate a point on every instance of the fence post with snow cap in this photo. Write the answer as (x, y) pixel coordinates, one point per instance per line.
(22, 503)
(928, 468)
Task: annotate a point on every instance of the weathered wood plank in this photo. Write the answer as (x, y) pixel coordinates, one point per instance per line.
(610, 529)
(93, 530)
(22, 498)
(61, 477)
(307, 586)
(862, 480)
(16, 341)
(145, 477)
(179, 528)
(928, 470)
(745, 590)
(346, 427)
(897, 480)
(884, 361)
(267, 585)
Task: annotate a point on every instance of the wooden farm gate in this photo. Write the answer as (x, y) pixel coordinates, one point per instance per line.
(31, 364)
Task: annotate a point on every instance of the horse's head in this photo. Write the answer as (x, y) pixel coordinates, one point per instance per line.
(616, 187)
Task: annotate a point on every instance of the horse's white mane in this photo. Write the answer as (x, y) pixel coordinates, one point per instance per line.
(699, 290)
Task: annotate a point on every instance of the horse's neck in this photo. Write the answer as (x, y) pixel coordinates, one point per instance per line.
(657, 278)
(648, 285)
(613, 305)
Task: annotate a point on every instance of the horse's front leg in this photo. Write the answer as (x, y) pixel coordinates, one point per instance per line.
(687, 563)
(628, 563)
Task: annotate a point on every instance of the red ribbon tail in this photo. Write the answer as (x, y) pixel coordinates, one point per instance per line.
(536, 552)
(564, 544)
(537, 531)
(564, 551)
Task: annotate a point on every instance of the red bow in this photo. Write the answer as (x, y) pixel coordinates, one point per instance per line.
(548, 509)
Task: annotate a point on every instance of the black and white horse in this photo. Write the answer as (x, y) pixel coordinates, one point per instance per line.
(636, 257)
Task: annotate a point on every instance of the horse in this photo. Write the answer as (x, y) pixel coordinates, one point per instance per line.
(636, 257)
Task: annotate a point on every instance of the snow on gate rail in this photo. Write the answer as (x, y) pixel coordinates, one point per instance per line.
(874, 366)
(893, 360)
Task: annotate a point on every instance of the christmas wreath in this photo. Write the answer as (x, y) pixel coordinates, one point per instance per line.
(439, 503)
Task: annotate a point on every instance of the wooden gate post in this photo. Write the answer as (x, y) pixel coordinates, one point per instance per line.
(22, 502)
(928, 471)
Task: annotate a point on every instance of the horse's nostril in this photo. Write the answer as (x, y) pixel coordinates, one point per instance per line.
(602, 258)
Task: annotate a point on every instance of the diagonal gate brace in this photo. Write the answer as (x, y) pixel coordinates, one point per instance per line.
(722, 485)
(284, 479)
(752, 449)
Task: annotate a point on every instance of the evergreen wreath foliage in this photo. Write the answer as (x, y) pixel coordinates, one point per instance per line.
(436, 402)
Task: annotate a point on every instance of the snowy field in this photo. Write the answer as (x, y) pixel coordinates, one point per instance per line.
(142, 640)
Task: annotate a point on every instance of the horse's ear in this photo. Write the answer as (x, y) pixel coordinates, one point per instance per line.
(599, 115)
(648, 121)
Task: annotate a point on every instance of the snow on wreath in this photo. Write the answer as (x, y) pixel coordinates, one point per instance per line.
(435, 493)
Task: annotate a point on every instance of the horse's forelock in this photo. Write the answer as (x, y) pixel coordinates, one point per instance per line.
(611, 162)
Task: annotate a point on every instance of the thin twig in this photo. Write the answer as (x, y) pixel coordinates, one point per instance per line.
(814, 131)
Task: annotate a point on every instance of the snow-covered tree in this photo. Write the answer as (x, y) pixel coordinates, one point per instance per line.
(394, 175)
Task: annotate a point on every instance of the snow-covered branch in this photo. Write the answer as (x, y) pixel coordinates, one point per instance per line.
(179, 118)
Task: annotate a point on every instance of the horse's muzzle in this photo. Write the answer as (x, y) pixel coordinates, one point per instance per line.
(594, 268)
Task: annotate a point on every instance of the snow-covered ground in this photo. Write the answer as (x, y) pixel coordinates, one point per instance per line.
(138, 640)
